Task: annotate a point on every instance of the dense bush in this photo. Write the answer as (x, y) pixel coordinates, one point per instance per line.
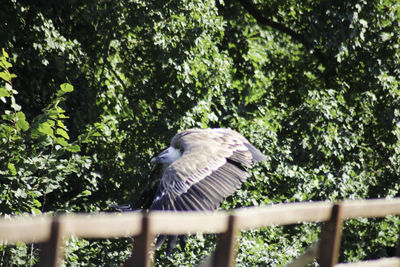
(90, 90)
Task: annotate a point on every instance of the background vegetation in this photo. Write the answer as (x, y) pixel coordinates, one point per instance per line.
(90, 90)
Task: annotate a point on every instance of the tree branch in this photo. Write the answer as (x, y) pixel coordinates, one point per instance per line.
(250, 7)
(246, 4)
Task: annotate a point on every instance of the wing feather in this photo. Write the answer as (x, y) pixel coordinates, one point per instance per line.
(205, 196)
(212, 167)
(208, 193)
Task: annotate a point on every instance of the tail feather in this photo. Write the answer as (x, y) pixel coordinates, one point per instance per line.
(171, 243)
(257, 155)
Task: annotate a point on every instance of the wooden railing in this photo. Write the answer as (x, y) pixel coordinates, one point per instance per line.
(50, 231)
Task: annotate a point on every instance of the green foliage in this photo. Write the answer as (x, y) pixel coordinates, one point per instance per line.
(38, 162)
(80, 252)
(312, 84)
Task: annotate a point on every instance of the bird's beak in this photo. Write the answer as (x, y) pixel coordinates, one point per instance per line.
(157, 158)
(154, 160)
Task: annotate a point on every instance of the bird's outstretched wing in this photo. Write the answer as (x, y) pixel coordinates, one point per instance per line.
(213, 166)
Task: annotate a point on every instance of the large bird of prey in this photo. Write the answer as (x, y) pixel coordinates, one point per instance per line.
(201, 168)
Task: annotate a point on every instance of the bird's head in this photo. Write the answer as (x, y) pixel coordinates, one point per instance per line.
(168, 156)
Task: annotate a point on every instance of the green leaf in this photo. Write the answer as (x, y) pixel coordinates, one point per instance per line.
(74, 148)
(52, 113)
(61, 141)
(4, 92)
(5, 76)
(11, 168)
(62, 116)
(5, 54)
(20, 193)
(84, 193)
(21, 121)
(37, 203)
(14, 104)
(35, 211)
(66, 87)
(45, 128)
(5, 130)
(62, 133)
(61, 124)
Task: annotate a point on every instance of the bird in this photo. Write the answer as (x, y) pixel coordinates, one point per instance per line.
(199, 169)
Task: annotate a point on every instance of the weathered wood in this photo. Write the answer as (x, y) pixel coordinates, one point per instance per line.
(225, 252)
(370, 208)
(29, 229)
(15, 229)
(52, 251)
(385, 262)
(282, 214)
(307, 257)
(142, 245)
(328, 251)
(103, 225)
(48, 230)
(176, 223)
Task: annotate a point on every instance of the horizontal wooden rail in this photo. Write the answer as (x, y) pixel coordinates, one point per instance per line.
(177, 223)
(372, 208)
(282, 214)
(102, 225)
(17, 228)
(128, 224)
(50, 229)
(385, 262)
(37, 229)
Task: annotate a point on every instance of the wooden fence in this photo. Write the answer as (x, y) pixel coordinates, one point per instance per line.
(50, 231)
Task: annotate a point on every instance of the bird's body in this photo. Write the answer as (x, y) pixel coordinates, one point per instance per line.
(201, 168)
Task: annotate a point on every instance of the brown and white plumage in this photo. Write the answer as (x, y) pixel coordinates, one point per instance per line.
(202, 167)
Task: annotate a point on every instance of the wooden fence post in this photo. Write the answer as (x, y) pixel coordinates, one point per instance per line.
(142, 246)
(52, 251)
(398, 247)
(328, 251)
(225, 252)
